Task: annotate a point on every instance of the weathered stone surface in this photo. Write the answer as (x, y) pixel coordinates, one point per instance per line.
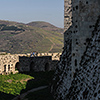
(63, 74)
(80, 65)
(23, 62)
(43, 63)
(67, 14)
(86, 82)
(7, 63)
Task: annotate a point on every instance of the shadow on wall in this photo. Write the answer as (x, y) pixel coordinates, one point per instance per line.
(40, 79)
(47, 67)
(42, 63)
(32, 66)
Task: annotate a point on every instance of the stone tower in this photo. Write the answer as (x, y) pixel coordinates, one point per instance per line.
(67, 14)
(77, 76)
(82, 14)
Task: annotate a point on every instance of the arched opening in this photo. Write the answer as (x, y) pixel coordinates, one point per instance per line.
(17, 66)
(4, 68)
(8, 67)
(32, 66)
(47, 67)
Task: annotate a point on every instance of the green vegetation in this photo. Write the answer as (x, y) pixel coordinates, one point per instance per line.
(14, 84)
(36, 37)
(2, 25)
(12, 28)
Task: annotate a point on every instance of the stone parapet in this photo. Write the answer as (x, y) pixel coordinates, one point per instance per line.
(22, 62)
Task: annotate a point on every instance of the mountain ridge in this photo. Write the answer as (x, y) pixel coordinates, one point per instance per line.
(23, 38)
(45, 25)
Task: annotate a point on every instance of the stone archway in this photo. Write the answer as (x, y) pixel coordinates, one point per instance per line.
(47, 67)
(4, 68)
(32, 66)
(17, 66)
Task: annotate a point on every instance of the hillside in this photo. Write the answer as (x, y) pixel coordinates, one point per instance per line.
(46, 26)
(23, 38)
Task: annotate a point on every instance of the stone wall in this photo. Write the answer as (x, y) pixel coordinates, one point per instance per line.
(67, 14)
(7, 63)
(86, 82)
(77, 76)
(23, 62)
(83, 15)
(55, 56)
(35, 63)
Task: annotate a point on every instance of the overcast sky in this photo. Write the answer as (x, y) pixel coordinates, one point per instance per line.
(25, 11)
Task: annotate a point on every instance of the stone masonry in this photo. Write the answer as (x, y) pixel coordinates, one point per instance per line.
(84, 14)
(67, 14)
(7, 63)
(86, 82)
(77, 76)
(23, 62)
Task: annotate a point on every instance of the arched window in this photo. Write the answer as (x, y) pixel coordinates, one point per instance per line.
(32, 66)
(17, 66)
(8, 67)
(4, 68)
(47, 68)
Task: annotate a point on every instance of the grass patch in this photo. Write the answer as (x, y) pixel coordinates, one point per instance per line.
(13, 83)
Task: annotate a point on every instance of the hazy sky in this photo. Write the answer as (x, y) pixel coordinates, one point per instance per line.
(25, 11)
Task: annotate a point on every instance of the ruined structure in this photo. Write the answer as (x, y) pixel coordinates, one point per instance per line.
(8, 63)
(23, 62)
(77, 76)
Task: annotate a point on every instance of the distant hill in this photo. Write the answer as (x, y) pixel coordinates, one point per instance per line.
(46, 26)
(35, 36)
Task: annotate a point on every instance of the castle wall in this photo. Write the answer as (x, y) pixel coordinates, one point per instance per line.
(77, 76)
(86, 82)
(7, 63)
(23, 62)
(42, 63)
(67, 14)
(84, 14)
